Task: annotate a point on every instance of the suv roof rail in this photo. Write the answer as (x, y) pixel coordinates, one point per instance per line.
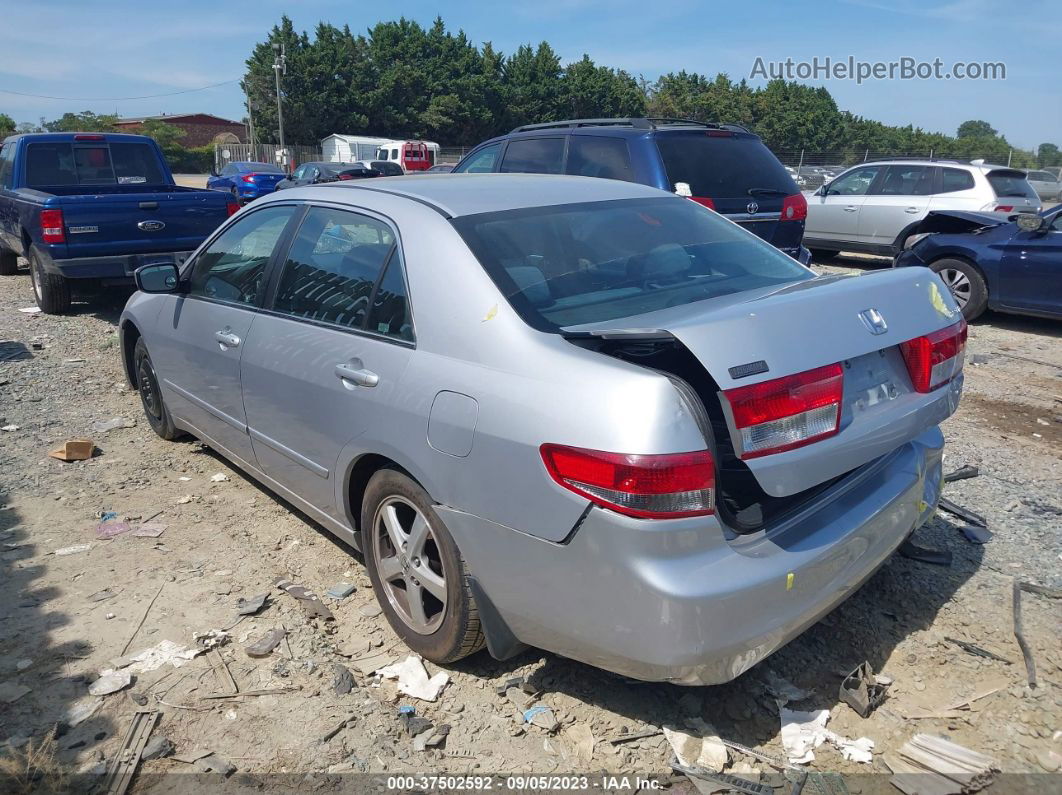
(912, 159)
(638, 123)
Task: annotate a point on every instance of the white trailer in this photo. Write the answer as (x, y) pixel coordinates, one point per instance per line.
(338, 148)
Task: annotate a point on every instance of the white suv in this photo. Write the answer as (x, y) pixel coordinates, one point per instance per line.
(874, 207)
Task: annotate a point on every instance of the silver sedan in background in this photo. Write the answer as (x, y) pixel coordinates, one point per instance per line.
(571, 413)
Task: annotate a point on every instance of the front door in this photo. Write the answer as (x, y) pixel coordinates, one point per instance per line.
(1031, 276)
(833, 214)
(895, 202)
(203, 332)
(327, 355)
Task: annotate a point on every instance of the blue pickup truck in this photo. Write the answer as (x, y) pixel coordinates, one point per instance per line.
(88, 209)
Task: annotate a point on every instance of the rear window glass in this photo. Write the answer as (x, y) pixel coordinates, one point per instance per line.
(534, 156)
(92, 164)
(1011, 183)
(599, 261)
(261, 168)
(722, 167)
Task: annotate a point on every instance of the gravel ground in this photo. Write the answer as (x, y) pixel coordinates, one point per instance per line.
(226, 538)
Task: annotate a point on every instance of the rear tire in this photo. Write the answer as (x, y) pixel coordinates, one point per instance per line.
(966, 284)
(823, 253)
(8, 263)
(51, 290)
(401, 567)
(147, 384)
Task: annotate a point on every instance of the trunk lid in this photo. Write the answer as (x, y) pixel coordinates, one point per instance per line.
(265, 180)
(812, 324)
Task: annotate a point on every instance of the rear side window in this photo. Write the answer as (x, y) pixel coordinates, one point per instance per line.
(906, 181)
(956, 179)
(722, 167)
(599, 261)
(7, 165)
(534, 156)
(597, 156)
(390, 305)
(332, 267)
(92, 164)
(1011, 183)
(481, 162)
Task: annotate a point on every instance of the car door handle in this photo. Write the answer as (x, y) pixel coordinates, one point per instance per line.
(911, 210)
(352, 374)
(850, 208)
(226, 339)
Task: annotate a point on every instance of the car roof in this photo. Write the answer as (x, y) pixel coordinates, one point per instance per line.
(468, 194)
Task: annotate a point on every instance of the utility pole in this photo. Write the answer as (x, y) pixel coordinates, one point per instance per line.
(280, 65)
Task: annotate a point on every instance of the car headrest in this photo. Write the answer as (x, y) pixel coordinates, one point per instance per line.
(666, 262)
(532, 283)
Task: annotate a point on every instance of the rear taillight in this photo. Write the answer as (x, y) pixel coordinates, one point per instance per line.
(644, 486)
(1004, 208)
(232, 208)
(249, 178)
(795, 208)
(345, 176)
(788, 412)
(52, 226)
(702, 200)
(935, 359)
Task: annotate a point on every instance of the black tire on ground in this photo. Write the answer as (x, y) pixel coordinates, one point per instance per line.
(823, 253)
(966, 284)
(51, 290)
(8, 263)
(147, 384)
(459, 634)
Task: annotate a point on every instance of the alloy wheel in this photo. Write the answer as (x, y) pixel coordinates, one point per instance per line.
(406, 554)
(959, 284)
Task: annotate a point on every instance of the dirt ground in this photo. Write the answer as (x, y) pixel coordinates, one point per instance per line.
(66, 617)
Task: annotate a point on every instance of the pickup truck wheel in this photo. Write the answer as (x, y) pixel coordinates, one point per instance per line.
(417, 572)
(8, 263)
(158, 416)
(966, 284)
(51, 290)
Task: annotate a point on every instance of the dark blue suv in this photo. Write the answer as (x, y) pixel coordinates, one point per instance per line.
(722, 166)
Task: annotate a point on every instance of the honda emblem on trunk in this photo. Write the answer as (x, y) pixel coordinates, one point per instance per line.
(150, 226)
(874, 321)
(752, 208)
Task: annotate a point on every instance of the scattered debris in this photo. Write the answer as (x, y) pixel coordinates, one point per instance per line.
(976, 650)
(9, 427)
(148, 531)
(541, 716)
(1026, 652)
(804, 731)
(782, 689)
(311, 604)
(191, 757)
(123, 766)
(619, 739)
(938, 557)
(212, 763)
(220, 477)
(581, 737)
(164, 652)
(74, 550)
(976, 535)
(930, 764)
(348, 721)
(721, 782)
(210, 639)
(370, 610)
(373, 661)
(265, 645)
(74, 450)
(30, 310)
(113, 424)
(705, 750)
(251, 605)
(111, 528)
(962, 473)
(770, 760)
(863, 691)
(342, 680)
(267, 691)
(10, 692)
(1050, 593)
(962, 513)
(99, 596)
(222, 672)
(413, 679)
(143, 618)
(341, 590)
(82, 710)
(432, 738)
(111, 681)
(22, 665)
(157, 748)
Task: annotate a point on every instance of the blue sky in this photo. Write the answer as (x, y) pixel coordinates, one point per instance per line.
(123, 48)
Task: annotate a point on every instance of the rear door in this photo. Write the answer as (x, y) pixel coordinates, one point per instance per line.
(327, 355)
(897, 200)
(833, 212)
(1031, 276)
(534, 156)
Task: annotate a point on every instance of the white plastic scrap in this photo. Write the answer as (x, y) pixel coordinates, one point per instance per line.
(703, 750)
(413, 679)
(804, 731)
(73, 550)
(220, 477)
(82, 710)
(782, 689)
(111, 681)
(165, 652)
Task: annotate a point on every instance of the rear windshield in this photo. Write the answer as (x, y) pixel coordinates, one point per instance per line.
(723, 167)
(49, 164)
(1011, 183)
(598, 261)
(261, 168)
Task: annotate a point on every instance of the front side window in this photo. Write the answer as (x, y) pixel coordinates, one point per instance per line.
(481, 162)
(955, 179)
(232, 268)
(332, 267)
(906, 181)
(601, 261)
(854, 183)
(597, 156)
(534, 156)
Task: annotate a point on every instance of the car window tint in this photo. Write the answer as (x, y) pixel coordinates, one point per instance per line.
(1056, 225)
(231, 268)
(482, 162)
(854, 183)
(956, 179)
(332, 267)
(228, 171)
(1011, 184)
(390, 307)
(597, 156)
(7, 165)
(534, 156)
(906, 181)
(136, 164)
(722, 166)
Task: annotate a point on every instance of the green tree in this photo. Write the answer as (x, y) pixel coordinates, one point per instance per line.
(86, 121)
(7, 125)
(975, 128)
(166, 135)
(1048, 155)
(592, 91)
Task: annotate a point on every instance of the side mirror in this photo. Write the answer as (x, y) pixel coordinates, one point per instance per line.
(160, 278)
(214, 171)
(1031, 222)
(824, 189)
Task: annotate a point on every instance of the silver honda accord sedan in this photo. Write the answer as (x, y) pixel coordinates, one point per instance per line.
(571, 413)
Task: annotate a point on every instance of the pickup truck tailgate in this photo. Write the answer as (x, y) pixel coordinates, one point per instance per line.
(107, 223)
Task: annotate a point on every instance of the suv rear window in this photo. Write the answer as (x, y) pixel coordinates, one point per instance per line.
(722, 167)
(1011, 183)
(56, 164)
(599, 261)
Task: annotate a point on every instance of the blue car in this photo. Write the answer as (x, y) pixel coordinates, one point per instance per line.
(992, 262)
(246, 180)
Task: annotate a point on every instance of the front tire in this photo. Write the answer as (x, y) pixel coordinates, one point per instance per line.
(51, 290)
(147, 384)
(966, 285)
(8, 263)
(417, 572)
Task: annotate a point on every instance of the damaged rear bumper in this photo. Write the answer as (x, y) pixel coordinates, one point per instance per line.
(683, 600)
